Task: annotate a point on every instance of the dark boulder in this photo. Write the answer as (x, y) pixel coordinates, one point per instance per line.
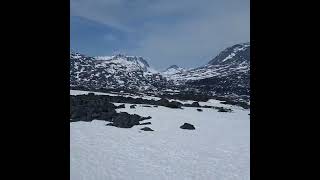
(90, 107)
(125, 120)
(200, 110)
(174, 104)
(133, 106)
(121, 106)
(146, 129)
(187, 126)
(222, 109)
(195, 104)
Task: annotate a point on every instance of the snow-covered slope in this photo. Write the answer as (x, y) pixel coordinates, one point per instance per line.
(232, 59)
(219, 147)
(115, 72)
(228, 72)
(132, 63)
(174, 69)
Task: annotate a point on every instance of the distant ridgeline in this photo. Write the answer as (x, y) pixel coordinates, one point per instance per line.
(226, 75)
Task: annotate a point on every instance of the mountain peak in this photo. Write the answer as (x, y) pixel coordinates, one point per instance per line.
(173, 67)
(238, 53)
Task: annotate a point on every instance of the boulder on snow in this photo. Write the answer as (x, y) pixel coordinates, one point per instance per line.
(200, 110)
(121, 106)
(195, 104)
(187, 126)
(90, 107)
(167, 103)
(222, 109)
(146, 129)
(133, 106)
(126, 120)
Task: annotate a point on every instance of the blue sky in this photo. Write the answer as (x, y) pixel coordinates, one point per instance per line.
(188, 33)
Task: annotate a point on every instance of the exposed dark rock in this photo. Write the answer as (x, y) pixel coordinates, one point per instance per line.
(121, 106)
(147, 129)
(133, 106)
(195, 104)
(90, 107)
(167, 103)
(125, 120)
(222, 109)
(206, 106)
(187, 126)
(145, 118)
(200, 110)
(155, 106)
(174, 104)
(146, 106)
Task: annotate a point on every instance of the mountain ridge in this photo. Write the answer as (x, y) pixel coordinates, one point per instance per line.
(228, 73)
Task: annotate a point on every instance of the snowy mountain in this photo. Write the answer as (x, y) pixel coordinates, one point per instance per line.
(117, 72)
(227, 74)
(174, 69)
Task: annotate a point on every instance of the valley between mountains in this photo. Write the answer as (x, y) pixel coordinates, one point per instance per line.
(131, 121)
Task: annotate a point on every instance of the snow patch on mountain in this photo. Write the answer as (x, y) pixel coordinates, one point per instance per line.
(174, 69)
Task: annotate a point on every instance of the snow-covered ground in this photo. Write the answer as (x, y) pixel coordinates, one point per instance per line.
(79, 92)
(218, 149)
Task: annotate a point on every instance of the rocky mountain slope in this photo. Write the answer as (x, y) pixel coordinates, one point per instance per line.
(118, 72)
(227, 74)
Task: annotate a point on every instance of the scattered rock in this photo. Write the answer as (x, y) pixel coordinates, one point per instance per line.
(90, 107)
(221, 109)
(144, 118)
(187, 126)
(146, 106)
(125, 120)
(146, 129)
(133, 106)
(195, 104)
(167, 103)
(200, 110)
(121, 106)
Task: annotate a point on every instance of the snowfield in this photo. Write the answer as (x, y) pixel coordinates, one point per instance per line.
(79, 92)
(218, 149)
